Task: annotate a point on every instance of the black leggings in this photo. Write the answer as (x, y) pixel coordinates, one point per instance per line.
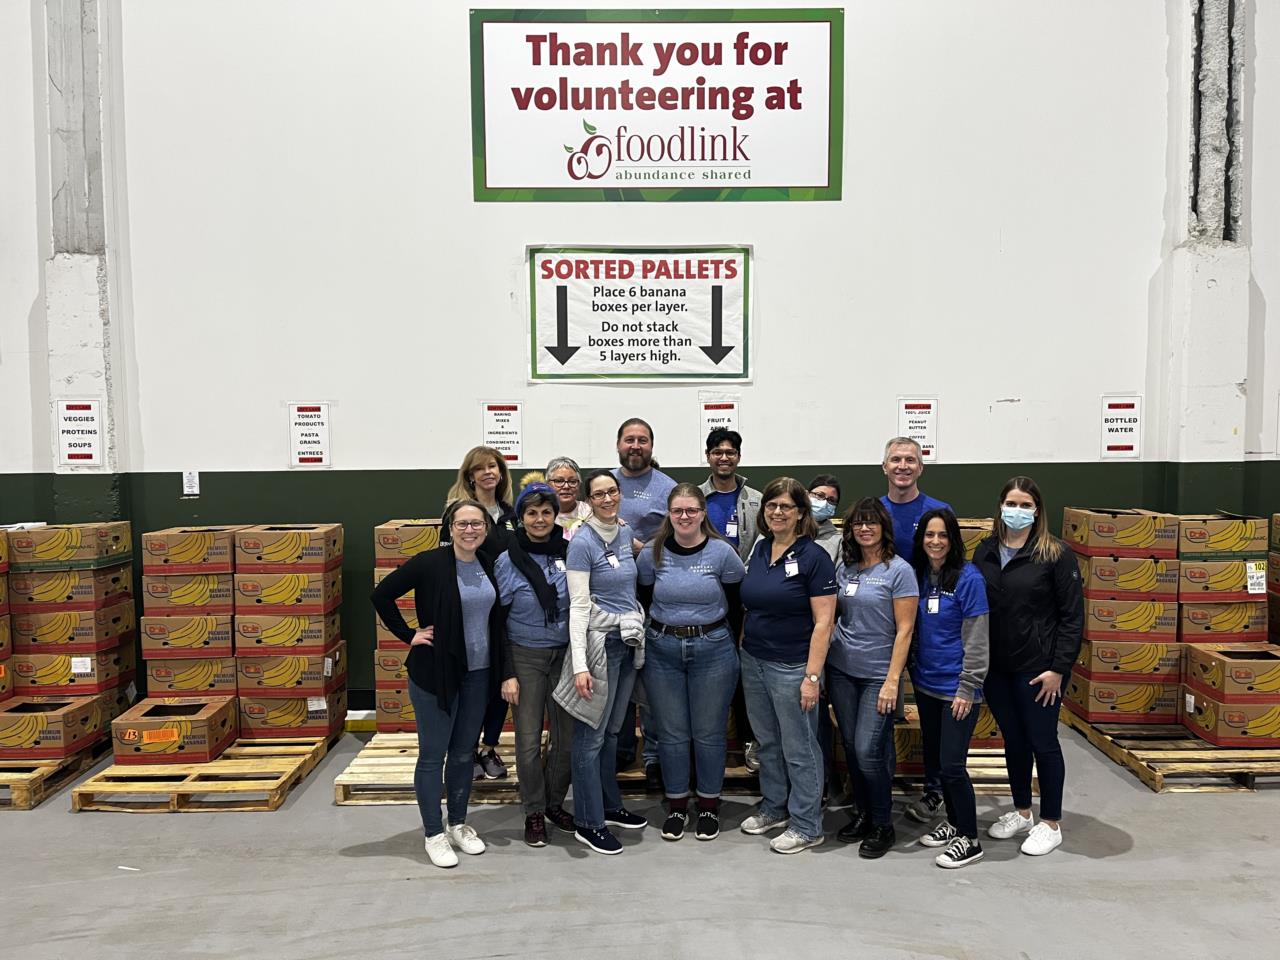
(946, 744)
(495, 715)
(1030, 732)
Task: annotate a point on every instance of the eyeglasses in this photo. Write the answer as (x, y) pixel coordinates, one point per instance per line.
(724, 454)
(864, 523)
(685, 511)
(780, 508)
(834, 501)
(563, 483)
(600, 496)
(468, 524)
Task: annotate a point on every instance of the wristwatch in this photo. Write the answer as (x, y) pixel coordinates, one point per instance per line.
(811, 677)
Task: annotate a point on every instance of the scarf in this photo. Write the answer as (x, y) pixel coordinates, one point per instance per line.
(522, 550)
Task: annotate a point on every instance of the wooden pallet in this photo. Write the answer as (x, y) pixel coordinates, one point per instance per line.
(30, 782)
(986, 771)
(251, 775)
(382, 773)
(1168, 758)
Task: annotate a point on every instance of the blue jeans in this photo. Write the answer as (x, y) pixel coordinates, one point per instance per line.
(690, 683)
(1030, 733)
(868, 742)
(787, 739)
(595, 761)
(447, 741)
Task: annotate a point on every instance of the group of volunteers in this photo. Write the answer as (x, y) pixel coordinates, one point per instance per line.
(580, 593)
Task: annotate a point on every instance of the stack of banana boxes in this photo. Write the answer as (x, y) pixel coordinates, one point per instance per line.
(1273, 582)
(72, 631)
(394, 542)
(6, 632)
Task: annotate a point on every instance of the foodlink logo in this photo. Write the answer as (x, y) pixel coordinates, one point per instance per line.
(660, 157)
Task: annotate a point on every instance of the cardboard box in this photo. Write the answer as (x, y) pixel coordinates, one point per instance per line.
(4, 551)
(986, 732)
(6, 681)
(1130, 620)
(272, 717)
(189, 550)
(4, 593)
(389, 671)
(908, 746)
(48, 728)
(73, 631)
(1118, 701)
(1221, 536)
(1273, 617)
(6, 637)
(205, 594)
(396, 541)
(1235, 672)
(1275, 532)
(71, 546)
(1230, 724)
(385, 639)
(177, 638)
(289, 548)
(39, 591)
(1128, 578)
(190, 677)
(1097, 532)
(116, 701)
(393, 711)
(292, 676)
(1133, 662)
(175, 730)
(405, 602)
(74, 674)
(1222, 622)
(1273, 572)
(286, 634)
(1201, 581)
(296, 594)
(973, 530)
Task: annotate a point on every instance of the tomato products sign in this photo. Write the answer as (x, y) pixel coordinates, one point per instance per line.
(657, 104)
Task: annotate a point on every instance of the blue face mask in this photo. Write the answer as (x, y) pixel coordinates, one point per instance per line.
(822, 509)
(1018, 518)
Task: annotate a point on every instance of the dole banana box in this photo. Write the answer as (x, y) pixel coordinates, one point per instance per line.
(206, 594)
(393, 711)
(71, 546)
(1121, 701)
(73, 631)
(1100, 532)
(1233, 622)
(1273, 572)
(973, 530)
(1230, 724)
(986, 732)
(406, 602)
(1221, 536)
(296, 594)
(292, 676)
(274, 717)
(1129, 661)
(1275, 532)
(6, 637)
(4, 595)
(190, 677)
(296, 636)
(908, 745)
(39, 591)
(186, 729)
(48, 728)
(1235, 672)
(396, 541)
(6, 681)
(1128, 578)
(116, 701)
(289, 547)
(389, 671)
(1221, 580)
(199, 637)
(189, 550)
(1130, 620)
(4, 551)
(74, 674)
(385, 639)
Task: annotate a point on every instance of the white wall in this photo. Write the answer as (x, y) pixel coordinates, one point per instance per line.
(1262, 228)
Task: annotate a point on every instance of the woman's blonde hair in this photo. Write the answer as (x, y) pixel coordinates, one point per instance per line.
(463, 488)
(1045, 547)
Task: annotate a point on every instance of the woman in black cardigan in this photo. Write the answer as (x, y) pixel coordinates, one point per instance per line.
(455, 666)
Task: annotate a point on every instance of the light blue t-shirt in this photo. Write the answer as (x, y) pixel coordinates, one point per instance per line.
(526, 621)
(478, 597)
(687, 589)
(862, 642)
(613, 585)
(644, 501)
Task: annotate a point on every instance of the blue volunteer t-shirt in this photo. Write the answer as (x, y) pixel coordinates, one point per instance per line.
(779, 621)
(862, 642)
(938, 656)
(644, 501)
(613, 586)
(721, 508)
(527, 622)
(906, 516)
(687, 589)
(478, 596)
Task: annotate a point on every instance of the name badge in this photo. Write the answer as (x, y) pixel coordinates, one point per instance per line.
(731, 529)
(559, 564)
(613, 561)
(791, 567)
(931, 605)
(851, 588)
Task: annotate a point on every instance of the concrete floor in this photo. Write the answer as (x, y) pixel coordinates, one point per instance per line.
(1193, 875)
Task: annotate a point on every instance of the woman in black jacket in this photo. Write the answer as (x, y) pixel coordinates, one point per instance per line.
(1037, 619)
(455, 665)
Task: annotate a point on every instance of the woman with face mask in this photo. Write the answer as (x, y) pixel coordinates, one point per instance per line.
(824, 499)
(1037, 620)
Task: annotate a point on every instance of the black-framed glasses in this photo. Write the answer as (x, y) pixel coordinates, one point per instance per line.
(571, 482)
(468, 524)
(780, 508)
(685, 511)
(600, 496)
(724, 454)
(864, 523)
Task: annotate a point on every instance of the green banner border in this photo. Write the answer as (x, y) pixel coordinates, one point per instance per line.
(835, 119)
(741, 375)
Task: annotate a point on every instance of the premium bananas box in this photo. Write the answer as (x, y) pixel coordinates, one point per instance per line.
(292, 676)
(293, 716)
(1235, 672)
(389, 671)
(393, 711)
(396, 541)
(48, 728)
(6, 681)
(72, 546)
(1230, 724)
(207, 594)
(1121, 701)
(986, 732)
(406, 602)
(190, 677)
(73, 631)
(297, 594)
(291, 547)
(74, 673)
(175, 730)
(187, 637)
(189, 550)
(1222, 622)
(6, 637)
(1130, 620)
(1221, 536)
(1128, 578)
(34, 592)
(385, 639)
(1220, 580)
(973, 530)
(295, 636)
(116, 701)
(1098, 532)
(1130, 661)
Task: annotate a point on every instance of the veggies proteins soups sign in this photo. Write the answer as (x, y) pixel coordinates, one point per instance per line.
(657, 104)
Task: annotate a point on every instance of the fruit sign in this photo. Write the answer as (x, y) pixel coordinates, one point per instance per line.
(657, 104)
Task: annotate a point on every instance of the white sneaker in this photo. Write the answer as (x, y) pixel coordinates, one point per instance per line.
(465, 839)
(1010, 825)
(1042, 839)
(792, 842)
(440, 852)
(751, 757)
(759, 823)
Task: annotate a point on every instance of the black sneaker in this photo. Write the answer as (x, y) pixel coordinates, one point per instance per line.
(960, 852)
(622, 817)
(673, 826)
(535, 830)
(879, 842)
(940, 836)
(494, 768)
(560, 818)
(925, 809)
(707, 826)
(856, 830)
(601, 841)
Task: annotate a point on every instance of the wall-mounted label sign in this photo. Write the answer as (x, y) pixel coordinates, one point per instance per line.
(1121, 427)
(715, 415)
(80, 428)
(309, 435)
(918, 419)
(503, 430)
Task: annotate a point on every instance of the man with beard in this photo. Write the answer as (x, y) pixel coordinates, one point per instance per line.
(644, 488)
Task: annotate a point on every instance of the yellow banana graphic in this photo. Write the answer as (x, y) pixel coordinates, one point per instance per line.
(289, 713)
(427, 538)
(1211, 673)
(1228, 535)
(406, 711)
(1141, 579)
(1230, 579)
(285, 630)
(1142, 660)
(192, 548)
(1233, 617)
(59, 628)
(25, 732)
(54, 672)
(56, 587)
(199, 676)
(195, 591)
(288, 589)
(1141, 699)
(1140, 534)
(61, 546)
(1269, 682)
(1205, 715)
(1139, 619)
(193, 633)
(1267, 725)
(283, 672)
(286, 549)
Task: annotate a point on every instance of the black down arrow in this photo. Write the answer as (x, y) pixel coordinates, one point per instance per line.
(717, 351)
(562, 351)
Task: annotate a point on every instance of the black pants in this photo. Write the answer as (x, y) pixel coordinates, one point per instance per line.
(741, 722)
(495, 716)
(1030, 732)
(946, 744)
